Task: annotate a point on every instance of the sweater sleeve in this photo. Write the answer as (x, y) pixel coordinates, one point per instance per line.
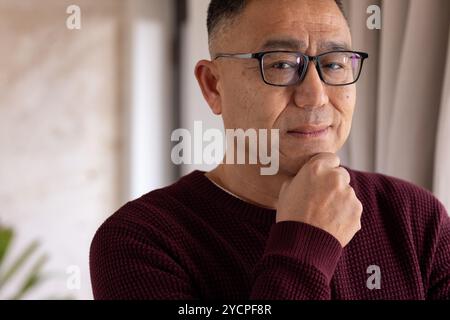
(127, 264)
(439, 282)
(298, 263)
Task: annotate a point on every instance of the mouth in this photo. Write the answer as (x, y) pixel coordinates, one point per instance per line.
(310, 131)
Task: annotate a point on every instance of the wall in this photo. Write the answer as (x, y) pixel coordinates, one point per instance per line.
(85, 123)
(195, 48)
(59, 130)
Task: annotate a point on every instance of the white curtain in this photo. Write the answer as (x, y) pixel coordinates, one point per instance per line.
(402, 119)
(441, 170)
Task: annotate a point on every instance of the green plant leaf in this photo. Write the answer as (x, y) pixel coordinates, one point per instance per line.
(19, 262)
(6, 236)
(33, 279)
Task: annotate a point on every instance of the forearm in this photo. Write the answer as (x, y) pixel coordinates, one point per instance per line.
(298, 264)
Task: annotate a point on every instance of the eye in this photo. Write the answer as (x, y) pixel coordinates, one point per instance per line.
(283, 65)
(333, 66)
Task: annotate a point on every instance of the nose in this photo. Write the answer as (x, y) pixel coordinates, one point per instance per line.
(311, 93)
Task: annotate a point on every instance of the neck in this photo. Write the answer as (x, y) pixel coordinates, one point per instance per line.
(246, 182)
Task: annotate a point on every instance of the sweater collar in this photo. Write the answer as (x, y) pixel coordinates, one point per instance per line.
(224, 200)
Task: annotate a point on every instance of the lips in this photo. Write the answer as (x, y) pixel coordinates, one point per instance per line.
(309, 130)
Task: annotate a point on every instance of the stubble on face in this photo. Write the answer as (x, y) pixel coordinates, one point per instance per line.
(247, 102)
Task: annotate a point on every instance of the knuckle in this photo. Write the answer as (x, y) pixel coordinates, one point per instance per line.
(315, 166)
(344, 173)
(334, 157)
(350, 194)
(345, 177)
(316, 158)
(353, 194)
(358, 216)
(360, 207)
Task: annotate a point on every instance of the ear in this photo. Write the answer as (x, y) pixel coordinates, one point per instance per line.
(207, 77)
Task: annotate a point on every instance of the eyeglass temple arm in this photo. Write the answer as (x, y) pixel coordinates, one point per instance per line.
(238, 56)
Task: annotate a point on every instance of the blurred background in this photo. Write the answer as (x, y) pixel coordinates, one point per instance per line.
(86, 117)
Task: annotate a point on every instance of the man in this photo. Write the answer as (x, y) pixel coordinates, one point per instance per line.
(315, 230)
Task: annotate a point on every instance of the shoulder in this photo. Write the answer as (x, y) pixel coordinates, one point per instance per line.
(399, 203)
(389, 190)
(142, 241)
(159, 215)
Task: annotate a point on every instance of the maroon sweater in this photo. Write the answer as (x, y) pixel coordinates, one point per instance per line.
(192, 240)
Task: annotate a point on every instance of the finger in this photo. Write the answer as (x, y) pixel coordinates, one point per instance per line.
(344, 174)
(325, 160)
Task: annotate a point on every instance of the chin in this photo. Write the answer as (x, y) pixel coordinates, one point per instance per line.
(291, 164)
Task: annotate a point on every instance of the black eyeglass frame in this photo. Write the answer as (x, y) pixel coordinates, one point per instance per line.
(315, 59)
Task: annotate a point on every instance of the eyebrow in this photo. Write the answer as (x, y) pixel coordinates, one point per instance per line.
(291, 44)
(298, 45)
(334, 46)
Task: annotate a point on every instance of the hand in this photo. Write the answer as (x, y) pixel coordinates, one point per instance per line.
(320, 195)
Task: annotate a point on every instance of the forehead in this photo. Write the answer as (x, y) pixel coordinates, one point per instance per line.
(308, 23)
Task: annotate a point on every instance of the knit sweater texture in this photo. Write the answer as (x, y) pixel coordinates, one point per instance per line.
(194, 241)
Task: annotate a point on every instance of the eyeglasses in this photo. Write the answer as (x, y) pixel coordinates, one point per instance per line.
(287, 68)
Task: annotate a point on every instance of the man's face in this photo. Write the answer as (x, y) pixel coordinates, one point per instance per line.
(308, 26)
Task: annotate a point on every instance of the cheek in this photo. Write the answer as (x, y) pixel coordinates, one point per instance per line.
(237, 97)
(271, 102)
(239, 106)
(252, 104)
(344, 102)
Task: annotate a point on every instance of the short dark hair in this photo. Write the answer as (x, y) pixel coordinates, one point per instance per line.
(220, 10)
